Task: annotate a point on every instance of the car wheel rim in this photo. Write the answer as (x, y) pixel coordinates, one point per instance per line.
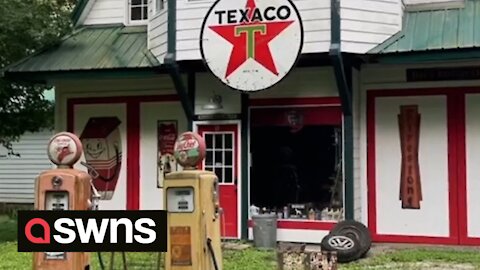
(341, 242)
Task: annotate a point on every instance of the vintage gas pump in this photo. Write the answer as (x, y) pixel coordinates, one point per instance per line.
(61, 189)
(191, 199)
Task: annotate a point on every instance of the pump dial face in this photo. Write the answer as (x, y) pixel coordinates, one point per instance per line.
(64, 149)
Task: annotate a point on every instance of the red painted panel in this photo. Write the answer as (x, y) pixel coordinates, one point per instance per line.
(452, 126)
(228, 192)
(228, 202)
(321, 115)
(294, 101)
(302, 225)
(133, 152)
(371, 156)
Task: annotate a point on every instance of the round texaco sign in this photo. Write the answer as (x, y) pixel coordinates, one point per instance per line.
(251, 45)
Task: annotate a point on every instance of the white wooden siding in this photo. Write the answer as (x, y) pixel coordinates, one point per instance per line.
(107, 12)
(190, 15)
(17, 174)
(158, 31)
(367, 23)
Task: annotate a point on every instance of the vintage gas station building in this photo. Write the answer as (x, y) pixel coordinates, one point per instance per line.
(375, 122)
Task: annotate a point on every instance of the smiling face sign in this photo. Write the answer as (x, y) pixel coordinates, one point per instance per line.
(251, 45)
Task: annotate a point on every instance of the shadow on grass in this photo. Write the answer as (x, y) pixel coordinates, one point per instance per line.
(8, 229)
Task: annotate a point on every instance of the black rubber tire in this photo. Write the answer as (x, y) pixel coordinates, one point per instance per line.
(347, 248)
(355, 229)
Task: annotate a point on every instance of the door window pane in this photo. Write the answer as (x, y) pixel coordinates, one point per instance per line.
(208, 140)
(228, 141)
(218, 158)
(218, 141)
(209, 158)
(219, 173)
(228, 158)
(228, 178)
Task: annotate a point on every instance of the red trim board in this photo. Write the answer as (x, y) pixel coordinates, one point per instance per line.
(302, 225)
(133, 134)
(456, 163)
(294, 101)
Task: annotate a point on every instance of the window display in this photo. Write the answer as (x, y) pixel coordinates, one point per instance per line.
(297, 173)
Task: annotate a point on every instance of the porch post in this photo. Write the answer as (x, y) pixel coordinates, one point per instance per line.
(191, 84)
(343, 76)
(170, 61)
(244, 157)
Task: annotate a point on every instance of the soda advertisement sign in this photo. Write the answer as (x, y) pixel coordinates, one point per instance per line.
(251, 45)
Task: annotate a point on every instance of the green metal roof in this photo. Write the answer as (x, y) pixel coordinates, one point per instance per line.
(436, 30)
(93, 48)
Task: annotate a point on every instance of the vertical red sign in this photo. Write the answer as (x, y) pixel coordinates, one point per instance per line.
(410, 185)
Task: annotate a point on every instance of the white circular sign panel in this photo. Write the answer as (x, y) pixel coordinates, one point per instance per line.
(251, 45)
(64, 149)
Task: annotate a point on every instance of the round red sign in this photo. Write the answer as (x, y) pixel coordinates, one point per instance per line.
(189, 149)
(65, 149)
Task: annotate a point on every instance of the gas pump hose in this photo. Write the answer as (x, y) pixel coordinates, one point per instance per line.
(212, 253)
(102, 265)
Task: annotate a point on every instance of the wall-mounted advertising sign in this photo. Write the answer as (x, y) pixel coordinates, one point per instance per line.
(251, 45)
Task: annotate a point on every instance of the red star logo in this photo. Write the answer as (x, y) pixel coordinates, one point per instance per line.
(251, 40)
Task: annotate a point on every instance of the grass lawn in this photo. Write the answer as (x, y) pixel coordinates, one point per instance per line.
(252, 259)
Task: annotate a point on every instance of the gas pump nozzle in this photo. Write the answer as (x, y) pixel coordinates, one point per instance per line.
(94, 202)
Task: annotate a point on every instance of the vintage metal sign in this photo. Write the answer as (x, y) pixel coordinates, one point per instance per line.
(251, 45)
(64, 149)
(180, 246)
(410, 184)
(189, 149)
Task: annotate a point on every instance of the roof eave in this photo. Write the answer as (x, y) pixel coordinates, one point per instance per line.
(425, 56)
(44, 77)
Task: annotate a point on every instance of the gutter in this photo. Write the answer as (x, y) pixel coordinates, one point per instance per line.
(336, 56)
(343, 76)
(170, 61)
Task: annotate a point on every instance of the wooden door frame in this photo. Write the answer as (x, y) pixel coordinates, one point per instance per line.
(195, 126)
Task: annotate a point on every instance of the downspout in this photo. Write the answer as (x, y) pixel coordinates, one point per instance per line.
(344, 84)
(170, 61)
(245, 165)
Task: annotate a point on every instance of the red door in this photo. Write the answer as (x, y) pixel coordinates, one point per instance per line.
(222, 158)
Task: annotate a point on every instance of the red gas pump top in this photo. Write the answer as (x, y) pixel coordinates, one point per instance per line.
(64, 149)
(189, 150)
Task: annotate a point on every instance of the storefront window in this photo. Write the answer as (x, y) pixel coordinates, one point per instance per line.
(296, 167)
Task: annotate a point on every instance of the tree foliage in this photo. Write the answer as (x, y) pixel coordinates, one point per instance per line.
(26, 27)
